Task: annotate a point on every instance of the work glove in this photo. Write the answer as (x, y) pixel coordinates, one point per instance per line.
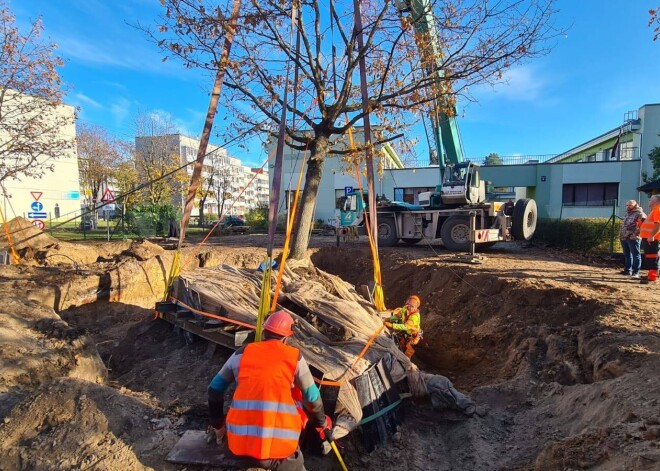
(325, 432)
(216, 435)
(388, 324)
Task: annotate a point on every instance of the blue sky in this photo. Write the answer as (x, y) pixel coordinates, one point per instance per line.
(606, 65)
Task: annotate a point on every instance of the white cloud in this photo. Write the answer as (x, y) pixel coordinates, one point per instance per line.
(81, 99)
(521, 84)
(120, 110)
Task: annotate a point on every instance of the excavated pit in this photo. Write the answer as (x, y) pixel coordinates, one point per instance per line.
(567, 378)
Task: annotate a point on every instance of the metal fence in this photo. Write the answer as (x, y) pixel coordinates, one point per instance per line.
(630, 153)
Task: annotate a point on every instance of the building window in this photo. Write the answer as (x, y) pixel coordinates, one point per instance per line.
(590, 194)
(409, 195)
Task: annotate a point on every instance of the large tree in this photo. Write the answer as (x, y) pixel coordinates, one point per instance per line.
(654, 22)
(34, 127)
(476, 42)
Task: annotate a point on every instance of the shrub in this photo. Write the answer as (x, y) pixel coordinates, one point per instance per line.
(257, 218)
(588, 236)
(151, 220)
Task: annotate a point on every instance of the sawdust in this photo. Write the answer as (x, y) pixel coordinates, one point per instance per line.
(563, 354)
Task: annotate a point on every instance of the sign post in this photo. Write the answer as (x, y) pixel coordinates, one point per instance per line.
(108, 197)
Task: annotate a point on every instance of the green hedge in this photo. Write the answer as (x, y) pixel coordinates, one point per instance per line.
(592, 235)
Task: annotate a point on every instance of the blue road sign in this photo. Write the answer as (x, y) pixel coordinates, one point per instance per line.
(348, 189)
(38, 215)
(37, 206)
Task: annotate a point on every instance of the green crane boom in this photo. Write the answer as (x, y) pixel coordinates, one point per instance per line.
(443, 119)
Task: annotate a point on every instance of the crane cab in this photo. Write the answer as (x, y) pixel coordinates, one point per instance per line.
(461, 185)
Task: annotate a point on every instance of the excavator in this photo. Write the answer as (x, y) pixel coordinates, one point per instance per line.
(445, 212)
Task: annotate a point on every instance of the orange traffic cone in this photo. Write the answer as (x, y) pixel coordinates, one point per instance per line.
(653, 275)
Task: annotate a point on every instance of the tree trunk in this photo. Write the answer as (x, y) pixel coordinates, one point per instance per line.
(202, 202)
(305, 213)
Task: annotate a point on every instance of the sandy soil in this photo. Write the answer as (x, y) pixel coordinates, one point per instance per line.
(561, 350)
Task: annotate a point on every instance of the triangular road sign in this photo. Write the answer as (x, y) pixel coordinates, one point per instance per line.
(108, 196)
(36, 194)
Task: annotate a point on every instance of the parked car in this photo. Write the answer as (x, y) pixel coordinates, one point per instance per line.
(234, 224)
(228, 221)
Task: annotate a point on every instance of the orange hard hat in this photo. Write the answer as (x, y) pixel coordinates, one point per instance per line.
(414, 299)
(279, 323)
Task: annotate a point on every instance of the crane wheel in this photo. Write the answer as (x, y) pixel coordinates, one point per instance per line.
(455, 233)
(387, 236)
(524, 219)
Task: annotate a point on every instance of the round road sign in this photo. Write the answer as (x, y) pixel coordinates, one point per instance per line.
(38, 223)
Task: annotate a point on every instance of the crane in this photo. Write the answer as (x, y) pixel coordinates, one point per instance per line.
(445, 212)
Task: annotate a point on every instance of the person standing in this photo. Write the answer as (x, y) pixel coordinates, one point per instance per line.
(264, 421)
(407, 321)
(650, 234)
(630, 238)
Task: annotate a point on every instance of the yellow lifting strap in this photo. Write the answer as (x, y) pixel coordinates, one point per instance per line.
(14, 256)
(264, 300)
(287, 240)
(379, 298)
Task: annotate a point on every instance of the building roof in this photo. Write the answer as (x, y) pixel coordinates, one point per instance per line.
(650, 186)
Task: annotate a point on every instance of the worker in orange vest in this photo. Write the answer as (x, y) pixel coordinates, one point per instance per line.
(650, 234)
(263, 424)
(407, 321)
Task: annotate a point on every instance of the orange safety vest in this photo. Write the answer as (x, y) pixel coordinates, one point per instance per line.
(263, 421)
(647, 226)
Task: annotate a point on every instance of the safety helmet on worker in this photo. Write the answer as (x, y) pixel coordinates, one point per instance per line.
(279, 323)
(414, 300)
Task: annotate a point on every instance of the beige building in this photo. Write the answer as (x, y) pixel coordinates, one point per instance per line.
(56, 194)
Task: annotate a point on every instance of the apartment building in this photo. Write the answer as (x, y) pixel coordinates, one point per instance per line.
(231, 186)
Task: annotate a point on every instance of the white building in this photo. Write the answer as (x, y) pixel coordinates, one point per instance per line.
(54, 195)
(241, 185)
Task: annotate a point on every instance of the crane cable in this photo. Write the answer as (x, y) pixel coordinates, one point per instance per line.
(230, 31)
(265, 297)
(378, 296)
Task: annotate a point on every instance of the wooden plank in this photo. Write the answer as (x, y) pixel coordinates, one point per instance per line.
(193, 449)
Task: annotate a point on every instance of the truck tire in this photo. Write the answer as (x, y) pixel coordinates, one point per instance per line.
(387, 236)
(524, 219)
(410, 241)
(455, 233)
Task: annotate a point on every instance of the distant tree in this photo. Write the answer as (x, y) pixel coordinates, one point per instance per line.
(205, 191)
(493, 159)
(654, 157)
(33, 126)
(477, 42)
(157, 154)
(126, 178)
(98, 157)
(655, 20)
(222, 181)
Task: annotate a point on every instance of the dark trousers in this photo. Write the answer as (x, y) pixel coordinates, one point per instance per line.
(651, 249)
(294, 462)
(631, 255)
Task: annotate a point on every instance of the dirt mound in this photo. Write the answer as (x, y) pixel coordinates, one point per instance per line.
(563, 356)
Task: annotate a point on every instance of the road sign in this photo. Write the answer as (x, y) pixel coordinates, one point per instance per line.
(37, 206)
(36, 194)
(37, 215)
(108, 196)
(348, 189)
(38, 224)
